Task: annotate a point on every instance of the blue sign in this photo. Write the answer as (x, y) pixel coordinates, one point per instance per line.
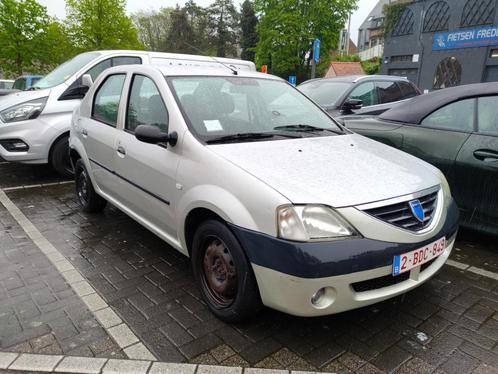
(293, 80)
(316, 50)
(469, 38)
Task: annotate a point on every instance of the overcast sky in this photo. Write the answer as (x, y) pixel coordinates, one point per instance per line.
(57, 8)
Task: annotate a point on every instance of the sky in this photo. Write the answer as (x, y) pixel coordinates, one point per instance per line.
(58, 8)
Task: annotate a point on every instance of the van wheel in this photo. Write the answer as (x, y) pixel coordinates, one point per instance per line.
(224, 274)
(59, 159)
(89, 200)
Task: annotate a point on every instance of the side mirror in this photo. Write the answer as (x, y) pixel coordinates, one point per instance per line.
(153, 135)
(86, 80)
(350, 105)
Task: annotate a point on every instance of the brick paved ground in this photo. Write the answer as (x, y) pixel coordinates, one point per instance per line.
(39, 312)
(449, 324)
(14, 174)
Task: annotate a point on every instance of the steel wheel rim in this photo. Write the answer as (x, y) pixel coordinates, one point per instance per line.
(82, 188)
(219, 275)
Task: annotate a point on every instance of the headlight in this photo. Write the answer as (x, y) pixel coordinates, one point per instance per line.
(21, 112)
(445, 185)
(311, 222)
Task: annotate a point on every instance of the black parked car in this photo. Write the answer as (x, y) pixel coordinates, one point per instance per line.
(360, 95)
(455, 129)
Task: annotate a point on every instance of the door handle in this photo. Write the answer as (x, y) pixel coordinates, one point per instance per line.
(84, 132)
(121, 150)
(486, 156)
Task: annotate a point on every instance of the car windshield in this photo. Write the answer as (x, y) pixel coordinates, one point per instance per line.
(325, 93)
(66, 70)
(223, 109)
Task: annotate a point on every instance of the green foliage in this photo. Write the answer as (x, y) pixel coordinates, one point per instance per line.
(372, 67)
(101, 24)
(392, 14)
(287, 29)
(181, 33)
(347, 58)
(30, 41)
(153, 28)
(249, 35)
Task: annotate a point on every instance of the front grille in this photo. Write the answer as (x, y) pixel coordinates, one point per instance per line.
(381, 282)
(400, 214)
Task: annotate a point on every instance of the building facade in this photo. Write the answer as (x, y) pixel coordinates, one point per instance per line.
(443, 43)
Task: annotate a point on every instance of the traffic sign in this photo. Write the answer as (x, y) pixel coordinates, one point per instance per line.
(293, 80)
(316, 50)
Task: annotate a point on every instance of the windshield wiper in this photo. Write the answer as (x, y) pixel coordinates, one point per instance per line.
(303, 128)
(248, 136)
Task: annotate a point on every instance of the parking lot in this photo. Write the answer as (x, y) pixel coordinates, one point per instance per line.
(450, 324)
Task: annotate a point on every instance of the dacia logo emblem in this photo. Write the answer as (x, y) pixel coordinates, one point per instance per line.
(417, 210)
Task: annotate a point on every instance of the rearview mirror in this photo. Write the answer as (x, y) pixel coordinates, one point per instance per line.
(153, 135)
(86, 80)
(350, 105)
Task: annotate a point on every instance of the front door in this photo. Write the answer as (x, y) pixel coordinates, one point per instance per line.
(147, 171)
(99, 134)
(477, 168)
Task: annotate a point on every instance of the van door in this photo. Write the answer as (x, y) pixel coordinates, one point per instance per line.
(99, 134)
(147, 171)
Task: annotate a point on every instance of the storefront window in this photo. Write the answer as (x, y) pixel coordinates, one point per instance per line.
(478, 12)
(437, 17)
(448, 73)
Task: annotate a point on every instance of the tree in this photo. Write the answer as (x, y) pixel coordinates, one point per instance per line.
(181, 34)
(287, 29)
(23, 27)
(199, 23)
(223, 24)
(249, 35)
(101, 24)
(153, 27)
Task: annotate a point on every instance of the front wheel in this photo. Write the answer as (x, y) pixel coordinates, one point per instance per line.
(89, 200)
(59, 159)
(224, 274)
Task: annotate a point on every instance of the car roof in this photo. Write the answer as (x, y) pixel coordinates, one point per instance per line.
(183, 70)
(419, 107)
(358, 78)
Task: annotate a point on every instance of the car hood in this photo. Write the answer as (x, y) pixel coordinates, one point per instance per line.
(21, 97)
(338, 171)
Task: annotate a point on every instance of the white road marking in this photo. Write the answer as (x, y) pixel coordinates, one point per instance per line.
(122, 334)
(17, 188)
(472, 269)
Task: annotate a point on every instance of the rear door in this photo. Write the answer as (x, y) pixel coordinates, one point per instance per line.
(441, 135)
(99, 133)
(477, 167)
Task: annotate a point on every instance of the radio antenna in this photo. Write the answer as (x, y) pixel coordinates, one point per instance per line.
(232, 69)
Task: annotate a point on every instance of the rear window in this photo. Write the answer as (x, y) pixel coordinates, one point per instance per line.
(407, 90)
(388, 92)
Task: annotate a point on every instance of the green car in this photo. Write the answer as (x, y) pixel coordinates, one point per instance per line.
(455, 129)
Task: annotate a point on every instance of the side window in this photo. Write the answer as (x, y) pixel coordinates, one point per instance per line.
(455, 116)
(407, 90)
(99, 68)
(106, 100)
(388, 92)
(115, 61)
(488, 115)
(365, 92)
(145, 105)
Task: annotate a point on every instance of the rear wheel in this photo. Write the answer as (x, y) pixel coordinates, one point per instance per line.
(59, 157)
(223, 273)
(89, 200)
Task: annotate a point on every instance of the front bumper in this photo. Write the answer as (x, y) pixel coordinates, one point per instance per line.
(290, 273)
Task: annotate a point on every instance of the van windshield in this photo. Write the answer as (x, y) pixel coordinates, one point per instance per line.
(231, 109)
(63, 72)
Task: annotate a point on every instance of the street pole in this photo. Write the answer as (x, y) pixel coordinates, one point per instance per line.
(347, 36)
(313, 69)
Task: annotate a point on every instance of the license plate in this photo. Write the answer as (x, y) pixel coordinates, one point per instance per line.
(409, 260)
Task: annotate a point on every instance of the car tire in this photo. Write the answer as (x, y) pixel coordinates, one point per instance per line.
(89, 200)
(224, 274)
(59, 157)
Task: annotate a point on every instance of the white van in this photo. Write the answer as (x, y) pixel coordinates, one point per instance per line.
(34, 125)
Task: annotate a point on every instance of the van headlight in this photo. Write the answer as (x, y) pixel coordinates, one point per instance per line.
(311, 222)
(445, 186)
(24, 111)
